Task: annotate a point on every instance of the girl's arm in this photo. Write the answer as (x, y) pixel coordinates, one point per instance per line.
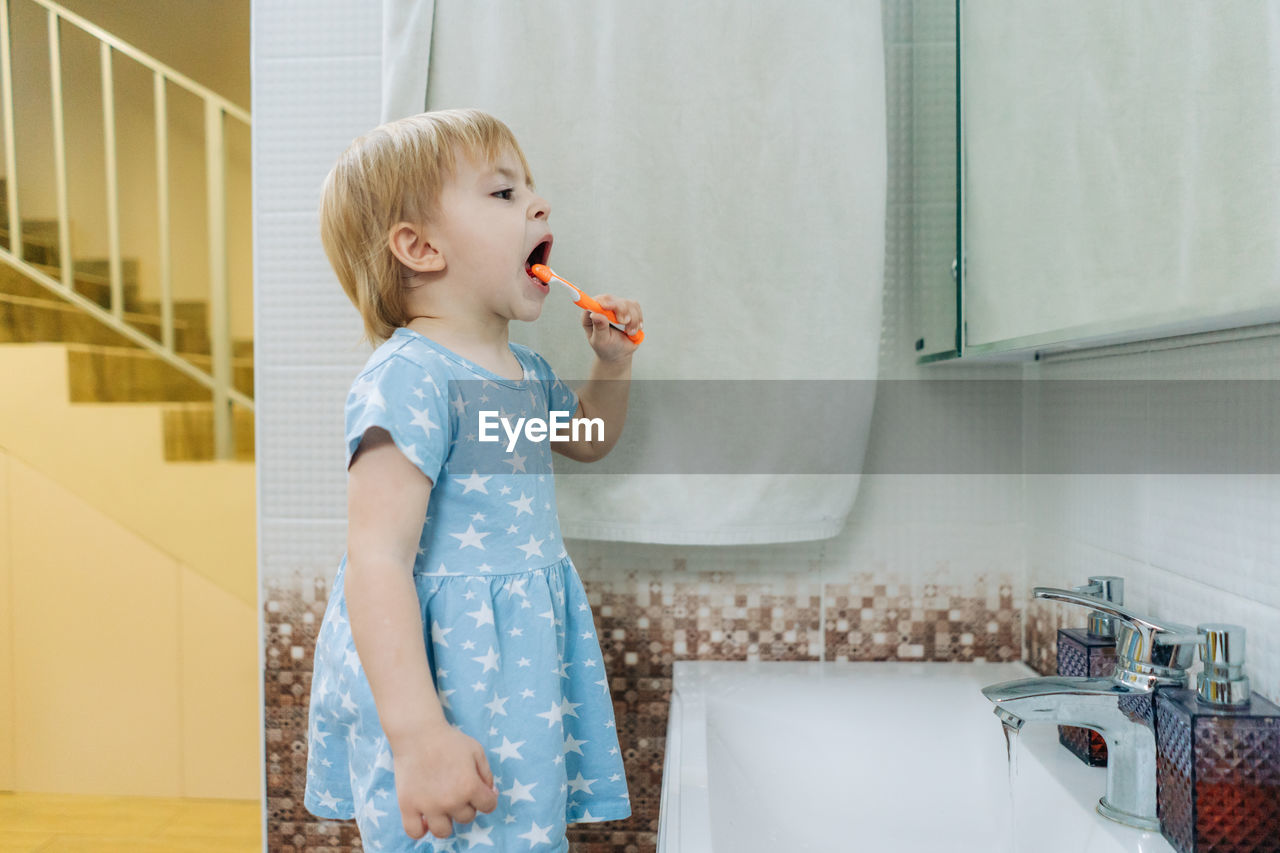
(605, 393)
(442, 775)
(603, 396)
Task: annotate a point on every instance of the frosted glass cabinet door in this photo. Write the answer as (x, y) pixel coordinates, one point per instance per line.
(1121, 169)
(923, 168)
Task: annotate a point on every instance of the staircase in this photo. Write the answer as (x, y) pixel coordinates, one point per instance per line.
(106, 367)
(161, 432)
(128, 552)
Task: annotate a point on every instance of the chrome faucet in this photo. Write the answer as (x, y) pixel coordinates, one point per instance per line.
(1148, 655)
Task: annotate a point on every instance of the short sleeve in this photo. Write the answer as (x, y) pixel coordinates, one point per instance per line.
(560, 397)
(409, 401)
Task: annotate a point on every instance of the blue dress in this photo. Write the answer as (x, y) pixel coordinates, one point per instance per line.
(508, 631)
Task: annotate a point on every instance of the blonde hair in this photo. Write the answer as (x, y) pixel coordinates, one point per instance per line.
(395, 173)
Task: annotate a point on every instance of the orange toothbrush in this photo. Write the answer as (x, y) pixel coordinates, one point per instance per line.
(546, 276)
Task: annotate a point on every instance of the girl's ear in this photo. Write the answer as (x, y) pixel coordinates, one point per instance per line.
(411, 246)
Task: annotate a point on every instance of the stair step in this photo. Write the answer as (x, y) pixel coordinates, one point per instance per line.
(39, 240)
(191, 331)
(25, 319)
(188, 433)
(88, 285)
(122, 375)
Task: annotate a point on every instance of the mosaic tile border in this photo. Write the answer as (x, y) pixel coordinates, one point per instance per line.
(647, 620)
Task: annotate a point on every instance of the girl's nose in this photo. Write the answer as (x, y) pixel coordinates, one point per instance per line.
(540, 209)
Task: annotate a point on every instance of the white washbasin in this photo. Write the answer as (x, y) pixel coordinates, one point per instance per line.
(902, 757)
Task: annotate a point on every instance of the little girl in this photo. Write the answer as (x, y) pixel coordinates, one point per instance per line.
(459, 689)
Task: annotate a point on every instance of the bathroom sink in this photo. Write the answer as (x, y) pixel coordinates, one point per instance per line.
(870, 756)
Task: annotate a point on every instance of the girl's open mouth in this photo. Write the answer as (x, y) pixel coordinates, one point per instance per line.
(540, 255)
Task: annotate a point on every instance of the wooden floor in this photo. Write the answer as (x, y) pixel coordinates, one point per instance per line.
(63, 823)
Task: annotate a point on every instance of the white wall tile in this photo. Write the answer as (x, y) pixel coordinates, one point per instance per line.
(933, 21)
(308, 548)
(306, 111)
(1220, 531)
(306, 317)
(300, 443)
(307, 29)
(933, 123)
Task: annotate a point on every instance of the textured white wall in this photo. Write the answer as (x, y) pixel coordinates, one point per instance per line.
(316, 67)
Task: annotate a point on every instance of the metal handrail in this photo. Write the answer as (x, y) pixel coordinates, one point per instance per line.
(220, 380)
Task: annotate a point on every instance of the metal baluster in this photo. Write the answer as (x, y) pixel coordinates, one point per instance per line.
(219, 307)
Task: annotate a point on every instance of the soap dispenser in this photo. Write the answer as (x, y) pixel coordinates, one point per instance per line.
(1218, 756)
(1090, 652)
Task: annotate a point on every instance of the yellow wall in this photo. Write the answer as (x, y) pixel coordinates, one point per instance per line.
(124, 672)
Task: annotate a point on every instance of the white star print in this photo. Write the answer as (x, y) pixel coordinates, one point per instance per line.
(352, 660)
(567, 708)
(496, 705)
(518, 792)
(423, 419)
(504, 491)
(580, 784)
(483, 616)
(373, 398)
(526, 693)
(468, 645)
(536, 835)
(459, 406)
(513, 529)
(523, 662)
(475, 483)
(553, 716)
(484, 567)
(479, 686)
(444, 698)
(516, 587)
(477, 835)
(410, 452)
(522, 505)
(509, 750)
(347, 704)
(328, 801)
(470, 538)
(479, 516)
(516, 462)
(490, 661)
(571, 744)
(532, 548)
(371, 812)
(516, 632)
(438, 634)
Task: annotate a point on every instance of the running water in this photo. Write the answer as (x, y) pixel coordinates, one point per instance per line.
(1011, 751)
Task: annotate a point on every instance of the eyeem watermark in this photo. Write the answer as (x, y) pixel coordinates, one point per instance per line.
(561, 427)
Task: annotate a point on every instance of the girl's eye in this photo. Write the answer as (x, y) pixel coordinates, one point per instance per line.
(505, 195)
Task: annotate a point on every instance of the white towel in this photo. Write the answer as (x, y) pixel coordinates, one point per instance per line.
(725, 165)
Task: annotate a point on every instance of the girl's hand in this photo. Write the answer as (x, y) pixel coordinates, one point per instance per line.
(608, 342)
(442, 776)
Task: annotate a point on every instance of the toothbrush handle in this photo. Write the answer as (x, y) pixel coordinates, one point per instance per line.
(591, 305)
